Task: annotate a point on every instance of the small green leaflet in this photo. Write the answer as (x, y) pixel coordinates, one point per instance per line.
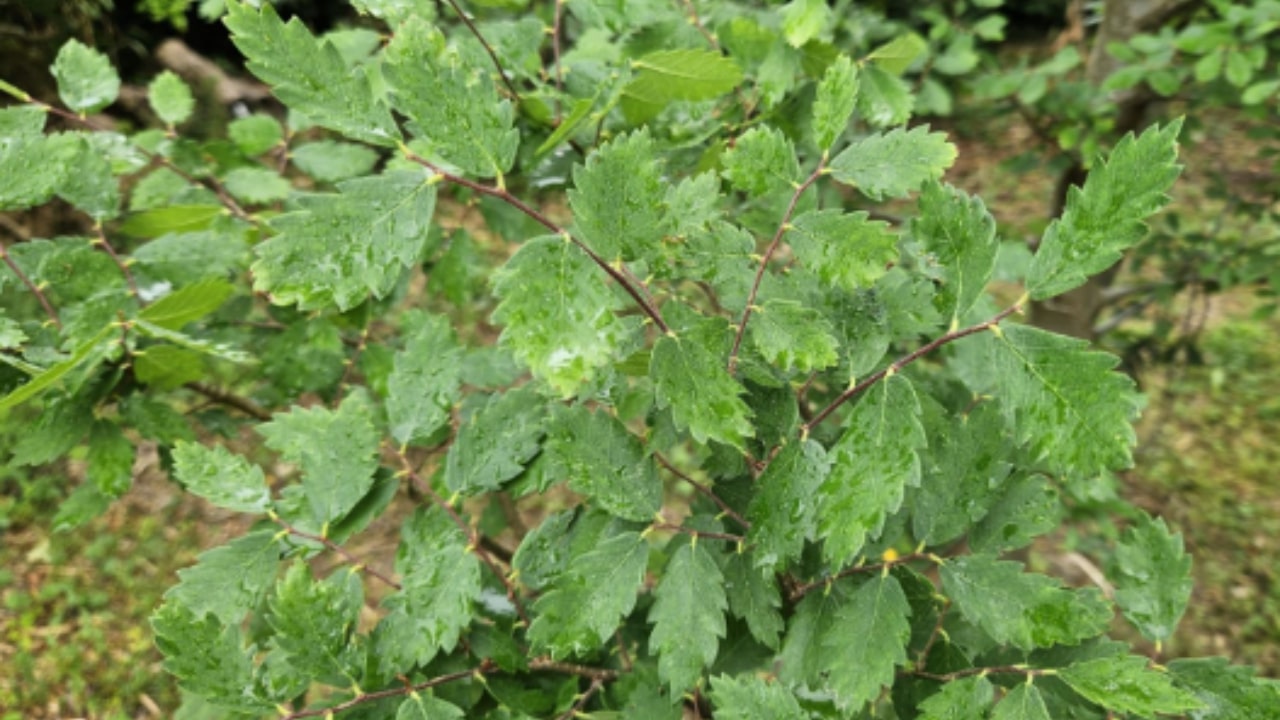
(804, 20)
(793, 337)
(87, 183)
(703, 397)
(754, 597)
(687, 616)
(665, 76)
(330, 161)
(897, 54)
(1022, 703)
(872, 464)
(230, 580)
(585, 604)
(424, 382)
(427, 707)
(603, 461)
(335, 449)
(883, 98)
(110, 459)
(309, 75)
(750, 698)
(805, 657)
(170, 98)
(577, 115)
(314, 622)
(833, 106)
(762, 160)
(92, 351)
(456, 108)
(866, 641)
(440, 578)
(557, 313)
(221, 351)
(1227, 692)
(1152, 574)
(337, 249)
(170, 219)
(895, 163)
(208, 659)
(1106, 216)
(223, 478)
(960, 234)
(1025, 508)
(624, 168)
(86, 81)
(496, 442)
(1125, 684)
(256, 186)
(188, 304)
(961, 699)
(255, 134)
(847, 250)
(783, 510)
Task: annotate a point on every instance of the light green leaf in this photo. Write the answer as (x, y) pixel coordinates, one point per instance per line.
(427, 707)
(335, 449)
(843, 249)
(309, 75)
(872, 464)
(572, 121)
(960, 234)
(687, 616)
(314, 623)
(750, 698)
(1152, 574)
(110, 459)
(557, 312)
(1022, 703)
(256, 185)
(963, 699)
(441, 582)
(396, 12)
(804, 20)
(1226, 692)
(805, 658)
(424, 382)
(188, 304)
(170, 98)
(255, 134)
(883, 98)
(88, 184)
(31, 165)
(337, 249)
(166, 367)
(170, 219)
(668, 75)
(330, 161)
(208, 659)
(793, 337)
(783, 510)
(895, 163)
(230, 580)
(754, 597)
(604, 462)
(1125, 684)
(836, 98)
(496, 442)
(703, 397)
(624, 168)
(762, 160)
(586, 603)
(221, 351)
(897, 54)
(86, 80)
(92, 351)
(867, 640)
(1106, 216)
(223, 478)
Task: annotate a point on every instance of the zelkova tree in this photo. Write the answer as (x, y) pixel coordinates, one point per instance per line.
(694, 438)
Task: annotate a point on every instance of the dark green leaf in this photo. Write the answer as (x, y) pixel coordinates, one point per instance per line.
(230, 580)
(1025, 508)
(110, 460)
(750, 698)
(314, 622)
(625, 168)
(424, 383)
(895, 163)
(223, 478)
(495, 444)
(867, 640)
(440, 579)
(754, 597)
(208, 658)
(793, 337)
(805, 657)
(963, 699)
(91, 352)
(783, 511)
(960, 234)
(188, 304)
(1152, 573)
(965, 468)
(427, 707)
(604, 462)
(1125, 684)
(1226, 692)
(703, 397)
(687, 616)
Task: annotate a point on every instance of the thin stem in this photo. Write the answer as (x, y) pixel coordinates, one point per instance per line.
(547, 664)
(32, 287)
(984, 671)
(705, 490)
(923, 657)
(907, 360)
(515, 94)
(101, 241)
(672, 527)
(764, 261)
(244, 405)
(696, 21)
(806, 588)
(356, 562)
(485, 668)
(583, 699)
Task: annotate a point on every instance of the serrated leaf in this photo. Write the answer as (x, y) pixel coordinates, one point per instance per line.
(687, 616)
(960, 234)
(208, 658)
(762, 160)
(1022, 703)
(230, 580)
(871, 465)
(1026, 507)
(782, 512)
(188, 304)
(751, 698)
(424, 382)
(83, 504)
(1225, 691)
(625, 169)
(86, 80)
(843, 249)
(804, 20)
(30, 164)
(965, 468)
(221, 351)
(836, 97)
(337, 249)
(495, 444)
(544, 551)
(456, 108)
(330, 161)
(754, 597)
(256, 186)
(170, 98)
(223, 478)
(89, 183)
(314, 623)
(793, 337)
(92, 351)
(867, 640)
(586, 603)
(668, 75)
(309, 75)
(1107, 215)
(335, 449)
(703, 397)
(1125, 684)
(883, 98)
(427, 707)
(963, 699)
(804, 656)
(895, 163)
(440, 579)
(1022, 609)
(557, 313)
(255, 134)
(1152, 574)
(603, 461)
(110, 459)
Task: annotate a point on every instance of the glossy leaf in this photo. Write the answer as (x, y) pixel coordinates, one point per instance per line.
(754, 597)
(223, 478)
(1152, 573)
(624, 168)
(784, 510)
(960, 234)
(1125, 684)
(604, 462)
(687, 616)
(86, 80)
(440, 577)
(188, 304)
(496, 442)
(867, 641)
(703, 398)
(895, 163)
(424, 382)
(843, 249)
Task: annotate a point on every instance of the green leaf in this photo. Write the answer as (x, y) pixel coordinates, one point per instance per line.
(960, 234)
(883, 98)
(208, 658)
(604, 462)
(1065, 400)
(1021, 609)
(1125, 684)
(703, 397)
(762, 160)
(804, 20)
(895, 163)
(230, 580)
(1026, 508)
(964, 469)
(330, 161)
(91, 352)
(687, 616)
(221, 351)
(805, 657)
(256, 186)
(171, 98)
(110, 459)
(83, 504)
(751, 698)
(309, 75)
(783, 510)
(170, 219)
(668, 75)
(1106, 216)
(31, 165)
(441, 581)
(314, 623)
(872, 464)
(833, 106)
(1022, 703)
(1226, 692)
(223, 478)
(336, 249)
(843, 249)
(754, 597)
(496, 442)
(570, 124)
(188, 304)
(897, 54)
(1152, 574)
(335, 449)
(624, 168)
(166, 367)
(961, 699)
(557, 313)
(427, 707)
(793, 337)
(86, 81)
(255, 134)
(89, 183)
(425, 382)
(456, 108)
(584, 605)
(867, 640)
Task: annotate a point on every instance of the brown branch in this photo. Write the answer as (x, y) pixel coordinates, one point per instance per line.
(764, 261)
(356, 562)
(101, 241)
(546, 664)
(583, 699)
(806, 588)
(705, 490)
(484, 668)
(696, 21)
(515, 94)
(32, 287)
(244, 405)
